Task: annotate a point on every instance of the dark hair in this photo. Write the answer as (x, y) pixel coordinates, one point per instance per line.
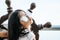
(14, 26)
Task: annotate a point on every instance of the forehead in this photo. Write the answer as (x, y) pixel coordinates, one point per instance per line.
(21, 12)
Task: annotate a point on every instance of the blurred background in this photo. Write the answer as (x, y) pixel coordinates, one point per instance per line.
(45, 11)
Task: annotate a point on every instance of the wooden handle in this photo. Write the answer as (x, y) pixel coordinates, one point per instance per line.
(8, 3)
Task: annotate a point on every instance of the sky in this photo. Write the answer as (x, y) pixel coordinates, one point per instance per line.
(46, 10)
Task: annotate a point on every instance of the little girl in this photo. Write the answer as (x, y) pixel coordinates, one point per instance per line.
(19, 26)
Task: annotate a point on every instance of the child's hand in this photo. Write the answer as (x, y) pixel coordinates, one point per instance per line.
(3, 34)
